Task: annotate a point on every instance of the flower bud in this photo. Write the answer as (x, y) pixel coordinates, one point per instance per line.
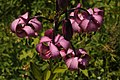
(67, 29)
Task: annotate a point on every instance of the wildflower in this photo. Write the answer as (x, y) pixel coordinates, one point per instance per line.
(76, 60)
(92, 21)
(87, 21)
(26, 27)
(49, 48)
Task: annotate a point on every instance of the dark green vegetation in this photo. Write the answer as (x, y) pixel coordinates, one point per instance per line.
(20, 61)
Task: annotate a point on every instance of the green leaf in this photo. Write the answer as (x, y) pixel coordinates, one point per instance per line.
(85, 72)
(60, 70)
(47, 74)
(35, 71)
(26, 54)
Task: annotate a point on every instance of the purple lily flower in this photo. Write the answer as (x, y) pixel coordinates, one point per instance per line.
(83, 58)
(85, 22)
(46, 48)
(75, 61)
(26, 27)
(93, 21)
(49, 49)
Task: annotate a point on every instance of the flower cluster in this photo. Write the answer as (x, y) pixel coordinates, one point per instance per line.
(54, 45)
(25, 26)
(49, 48)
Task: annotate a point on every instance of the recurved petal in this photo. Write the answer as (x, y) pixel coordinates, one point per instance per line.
(81, 51)
(98, 18)
(79, 5)
(38, 47)
(54, 50)
(14, 25)
(36, 25)
(47, 56)
(43, 51)
(98, 11)
(21, 33)
(29, 31)
(70, 51)
(91, 27)
(25, 16)
(63, 53)
(72, 63)
(57, 38)
(45, 39)
(90, 11)
(64, 43)
(75, 26)
(84, 24)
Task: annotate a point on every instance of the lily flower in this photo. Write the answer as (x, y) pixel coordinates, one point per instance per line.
(75, 61)
(25, 26)
(49, 48)
(89, 21)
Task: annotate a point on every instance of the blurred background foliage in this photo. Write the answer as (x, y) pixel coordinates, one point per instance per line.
(20, 61)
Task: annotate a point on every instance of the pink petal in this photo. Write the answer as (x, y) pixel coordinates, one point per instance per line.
(54, 50)
(98, 18)
(63, 53)
(43, 51)
(64, 43)
(81, 51)
(99, 12)
(25, 16)
(60, 40)
(75, 26)
(90, 11)
(29, 31)
(91, 27)
(70, 51)
(72, 14)
(36, 24)
(79, 5)
(38, 48)
(72, 63)
(21, 34)
(57, 38)
(45, 39)
(14, 25)
(84, 24)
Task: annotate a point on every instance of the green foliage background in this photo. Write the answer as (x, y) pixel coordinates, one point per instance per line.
(20, 61)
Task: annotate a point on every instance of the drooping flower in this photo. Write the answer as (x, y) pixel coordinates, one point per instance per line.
(46, 48)
(92, 21)
(77, 60)
(87, 21)
(25, 26)
(49, 48)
